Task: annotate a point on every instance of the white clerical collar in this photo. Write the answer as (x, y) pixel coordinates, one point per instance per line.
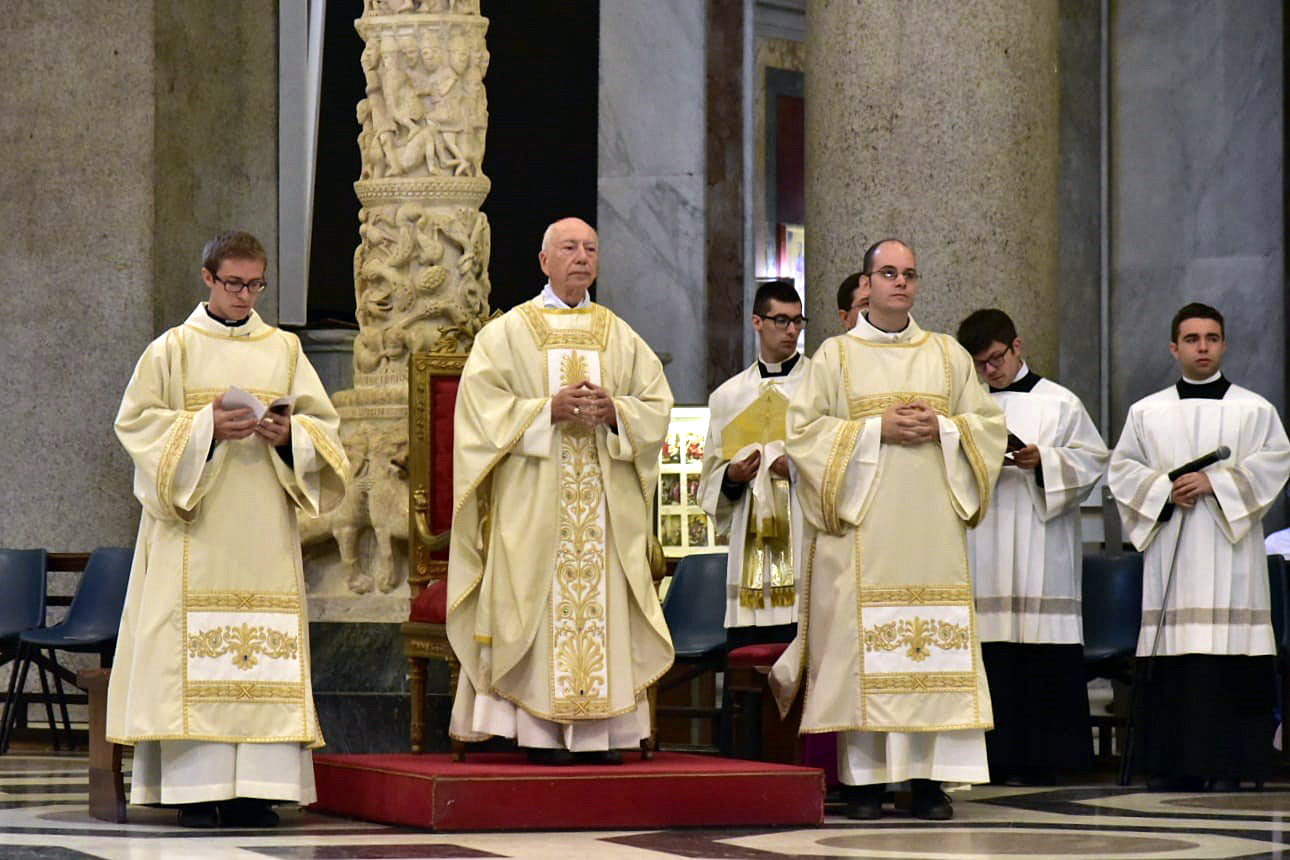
(775, 367)
(866, 330)
(1204, 381)
(551, 300)
(1021, 373)
(203, 321)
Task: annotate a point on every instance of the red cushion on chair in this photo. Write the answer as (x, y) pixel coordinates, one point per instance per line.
(431, 605)
(751, 656)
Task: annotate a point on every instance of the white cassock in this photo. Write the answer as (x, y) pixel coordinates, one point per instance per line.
(1027, 552)
(760, 585)
(1219, 602)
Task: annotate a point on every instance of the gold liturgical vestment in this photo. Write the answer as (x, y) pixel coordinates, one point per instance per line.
(214, 642)
(551, 606)
(887, 636)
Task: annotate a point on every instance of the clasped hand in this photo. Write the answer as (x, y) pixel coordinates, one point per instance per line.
(584, 403)
(1190, 487)
(274, 427)
(910, 424)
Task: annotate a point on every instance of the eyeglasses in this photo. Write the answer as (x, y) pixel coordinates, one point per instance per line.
(995, 361)
(889, 273)
(782, 321)
(236, 285)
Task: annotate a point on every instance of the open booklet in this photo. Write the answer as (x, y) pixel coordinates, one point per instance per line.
(238, 398)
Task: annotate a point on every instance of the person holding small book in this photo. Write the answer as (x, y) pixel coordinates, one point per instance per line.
(211, 682)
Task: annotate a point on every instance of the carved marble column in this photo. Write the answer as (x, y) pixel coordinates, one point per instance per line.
(420, 269)
(937, 123)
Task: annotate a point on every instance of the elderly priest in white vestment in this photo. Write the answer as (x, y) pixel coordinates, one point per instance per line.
(561, 412)
(1207, 716)
(745, 485)
(896, 446)
(1027, 557)
(211, 677)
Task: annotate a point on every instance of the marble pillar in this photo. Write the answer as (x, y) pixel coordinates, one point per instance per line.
(1197, 198)
(420, 279)
(937, 123)
(650, 212)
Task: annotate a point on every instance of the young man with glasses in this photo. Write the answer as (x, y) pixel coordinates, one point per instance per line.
(896, 447)
(211, 678)
(1206, 716)
(1026, 559)
(745, 485)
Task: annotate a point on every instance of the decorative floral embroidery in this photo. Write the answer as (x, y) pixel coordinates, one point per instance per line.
(918, 636)
(246, 644)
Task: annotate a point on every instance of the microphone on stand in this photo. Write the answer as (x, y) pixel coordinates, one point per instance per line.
(1222, 452)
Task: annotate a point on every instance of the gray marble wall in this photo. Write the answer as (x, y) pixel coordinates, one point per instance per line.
(651, 180)
(132, 133)
(1197, 192)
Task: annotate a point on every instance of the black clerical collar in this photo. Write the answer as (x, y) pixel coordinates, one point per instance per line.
(1212, 390)
(230, 323)
(785, 367)
(1023, 385)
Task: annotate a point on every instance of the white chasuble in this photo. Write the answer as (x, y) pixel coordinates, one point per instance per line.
(1026, 554)
(551, 607)
(764, 525)
(1219, 601)
(214, 642)
(887, 636)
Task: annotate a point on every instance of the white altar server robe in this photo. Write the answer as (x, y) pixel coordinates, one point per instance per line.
(1026, 554)
(1219, 601)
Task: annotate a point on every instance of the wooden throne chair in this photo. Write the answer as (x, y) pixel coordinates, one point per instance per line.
(432, 396)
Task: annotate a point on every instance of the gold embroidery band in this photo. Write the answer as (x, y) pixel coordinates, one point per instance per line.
(979, 471)
(247, 601)
(198, 398)
(920, 682)
(867, 407)
(291, 692)
(917, 595)
(918, 636)
(245, 644)
(547, 336)
(333, 456)
(176, 442)
(844, 444)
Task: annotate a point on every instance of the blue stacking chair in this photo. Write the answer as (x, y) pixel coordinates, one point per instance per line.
(1112, 609)
(23, 582)
(90, 627)
(695, 611)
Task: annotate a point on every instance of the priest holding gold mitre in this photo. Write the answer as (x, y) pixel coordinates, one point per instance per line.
(561, 412)
(745, 485)
(896, 447)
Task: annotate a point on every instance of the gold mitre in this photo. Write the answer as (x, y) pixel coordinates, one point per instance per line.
(762, 421)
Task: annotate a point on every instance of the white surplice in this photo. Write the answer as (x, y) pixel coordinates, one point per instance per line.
(1027, 552)
(729, 517)
(1219, 601)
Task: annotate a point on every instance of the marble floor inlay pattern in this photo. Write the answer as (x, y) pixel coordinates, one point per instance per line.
(43, 817)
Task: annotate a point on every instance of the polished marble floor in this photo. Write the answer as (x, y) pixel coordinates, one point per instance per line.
(43, 815)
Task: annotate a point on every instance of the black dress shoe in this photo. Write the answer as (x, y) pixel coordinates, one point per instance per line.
(549, 756)
(247, 812)
(930, 802)
(1175, 783)
(864, 802)
(599, 757)
(202, 815)
(1225, 786)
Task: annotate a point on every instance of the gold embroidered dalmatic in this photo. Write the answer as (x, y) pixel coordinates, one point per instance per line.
(551, 603)
(887, 639)
(214, 638)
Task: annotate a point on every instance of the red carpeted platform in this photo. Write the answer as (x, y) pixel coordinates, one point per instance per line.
(501, 791)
